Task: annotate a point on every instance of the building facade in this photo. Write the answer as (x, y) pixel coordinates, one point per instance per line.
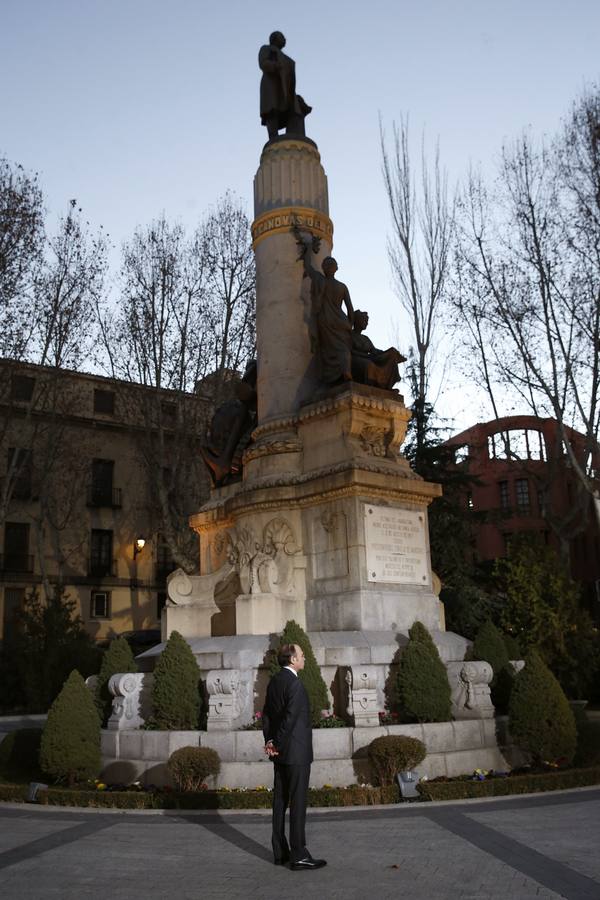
(521, 480)
(78, 499)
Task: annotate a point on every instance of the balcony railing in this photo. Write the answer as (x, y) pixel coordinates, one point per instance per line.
(100, 496)
(16, 562)
(102, 568)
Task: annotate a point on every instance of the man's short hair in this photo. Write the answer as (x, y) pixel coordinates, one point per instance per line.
(285, 653)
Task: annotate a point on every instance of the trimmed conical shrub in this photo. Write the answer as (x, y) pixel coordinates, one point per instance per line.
(118, 658)
(489, 645)
(423, 687)
(176, 687)
(70, 746)
(540, 719)
(311, 674)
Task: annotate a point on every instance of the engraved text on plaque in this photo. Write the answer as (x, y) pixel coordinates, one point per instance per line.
(396, 545)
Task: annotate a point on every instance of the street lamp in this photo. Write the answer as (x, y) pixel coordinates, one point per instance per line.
(138, 546)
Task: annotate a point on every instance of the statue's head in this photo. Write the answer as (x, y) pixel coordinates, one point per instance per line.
(329, 265)
(277, 39)
(361, 319)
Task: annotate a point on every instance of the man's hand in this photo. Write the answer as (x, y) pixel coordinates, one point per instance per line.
(270, 749)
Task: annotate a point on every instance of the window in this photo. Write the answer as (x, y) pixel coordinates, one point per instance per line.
(19, 469)
(101, 545)
(504, 495)
(518, 443)
(104, 402)
(13, 603)
(21, 388)
(522, 493)
(461, 454)
(168, 411)
(102, 492)
(16, 548)
(100, 605)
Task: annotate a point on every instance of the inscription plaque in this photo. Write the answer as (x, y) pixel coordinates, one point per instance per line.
(396, 546)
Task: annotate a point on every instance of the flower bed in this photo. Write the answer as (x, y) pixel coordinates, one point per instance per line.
(465, 788)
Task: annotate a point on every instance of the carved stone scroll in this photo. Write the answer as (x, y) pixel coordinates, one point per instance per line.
(132, 704)
(362, 695)
(470, 686)
(229, 699)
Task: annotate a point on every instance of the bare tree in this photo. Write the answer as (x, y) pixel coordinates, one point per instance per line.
(185, 319)
(37, 435)
(21, 240)
(68, 287)
(419, 253)
(528, 290)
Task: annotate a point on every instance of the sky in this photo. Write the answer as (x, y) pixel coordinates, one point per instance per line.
(135, 107)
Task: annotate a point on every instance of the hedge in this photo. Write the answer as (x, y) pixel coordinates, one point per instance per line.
(512, 784)
(355, 795)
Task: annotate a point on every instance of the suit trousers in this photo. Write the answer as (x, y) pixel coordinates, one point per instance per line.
(290, 788)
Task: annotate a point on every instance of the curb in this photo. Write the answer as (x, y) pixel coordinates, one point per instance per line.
(399, 808)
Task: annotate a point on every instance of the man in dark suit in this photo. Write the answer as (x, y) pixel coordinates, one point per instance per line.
(288, 742)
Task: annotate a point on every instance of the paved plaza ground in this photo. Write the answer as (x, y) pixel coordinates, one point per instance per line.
(544, 847)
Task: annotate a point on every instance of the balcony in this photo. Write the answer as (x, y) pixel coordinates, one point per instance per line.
(102, 568)
(104, 497)
(16, 562)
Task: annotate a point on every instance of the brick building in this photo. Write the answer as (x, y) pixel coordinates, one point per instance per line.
(521, 477)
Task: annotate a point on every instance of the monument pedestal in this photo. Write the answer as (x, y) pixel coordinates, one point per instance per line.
(328, 528)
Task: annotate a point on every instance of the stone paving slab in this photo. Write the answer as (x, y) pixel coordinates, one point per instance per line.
(425, 852)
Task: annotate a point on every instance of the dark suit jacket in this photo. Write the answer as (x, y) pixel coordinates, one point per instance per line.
(286, 719)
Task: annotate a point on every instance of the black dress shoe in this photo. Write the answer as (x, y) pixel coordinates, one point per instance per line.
(308, 863)
(282, 861)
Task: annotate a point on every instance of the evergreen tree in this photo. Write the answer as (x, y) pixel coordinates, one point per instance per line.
(176, 687)
(423, 687)
(118, 658)
(311, 674)
(70, 746)
(466, 592)
(490, 647)
(49, 640)
(541, 721)
(543, 609)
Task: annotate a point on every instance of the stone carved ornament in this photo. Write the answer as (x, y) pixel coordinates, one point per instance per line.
(132, 703)
(265, 566)
(470, 686)
(230, 698)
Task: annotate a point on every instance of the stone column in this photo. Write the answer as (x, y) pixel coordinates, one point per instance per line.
(290, 188)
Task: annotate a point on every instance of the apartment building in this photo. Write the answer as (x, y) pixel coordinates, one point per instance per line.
(78, 491)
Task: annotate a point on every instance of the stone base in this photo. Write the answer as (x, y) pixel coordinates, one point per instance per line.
(453, 748)
(335, 652)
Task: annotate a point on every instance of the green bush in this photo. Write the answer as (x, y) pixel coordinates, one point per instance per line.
(540, 719)
(422, 685)
(310, 676)
(588, 743)
(393, 753)
(190, 766)
(20, 752)
(490, 646)
(513, 648)
(176, 687)
(70, 746)
(118, 658)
